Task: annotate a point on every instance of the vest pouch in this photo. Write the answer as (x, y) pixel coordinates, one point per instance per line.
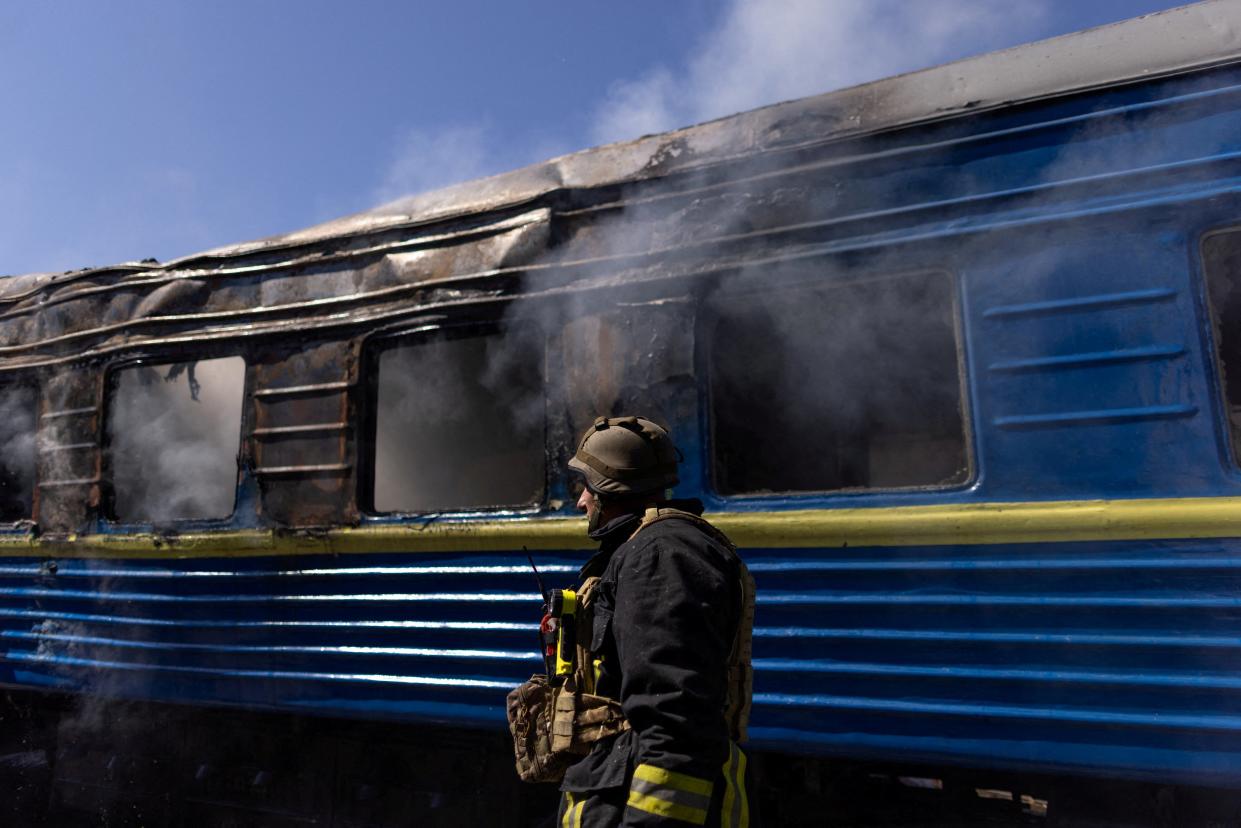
(581, 719)
(530, 722)
(554, 727)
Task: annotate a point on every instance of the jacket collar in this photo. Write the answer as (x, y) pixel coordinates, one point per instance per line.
(620, 529)
(610, 536)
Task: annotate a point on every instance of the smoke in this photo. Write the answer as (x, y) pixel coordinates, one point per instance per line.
(17, 451)
(459, 423)
(174, 433)
(814, 364)
(838, 378)
(765, 52)
(423, 160)
(819, 382)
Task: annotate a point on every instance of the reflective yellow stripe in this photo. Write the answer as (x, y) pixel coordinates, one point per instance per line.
(670, 794)
(674, 780)
(572, 812)
(568, 609)
(662, 807)
(735, 811)
(978, 523)
(960, 524)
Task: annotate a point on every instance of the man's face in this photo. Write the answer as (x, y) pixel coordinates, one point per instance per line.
(589, 505)
(595, 510)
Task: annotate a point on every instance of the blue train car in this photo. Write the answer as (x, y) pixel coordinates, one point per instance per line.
(954, 357)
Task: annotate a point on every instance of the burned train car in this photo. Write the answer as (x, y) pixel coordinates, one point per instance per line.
(953, 357)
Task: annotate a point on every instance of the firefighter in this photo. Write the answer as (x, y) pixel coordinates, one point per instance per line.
(670, 639)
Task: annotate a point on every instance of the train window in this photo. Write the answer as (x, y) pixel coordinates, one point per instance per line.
(849, 386)
(1221, 257)
(174, 434)
(459, 423)
(636, 359)
(17, 451)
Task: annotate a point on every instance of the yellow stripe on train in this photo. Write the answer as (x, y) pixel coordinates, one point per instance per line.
(1080, 520)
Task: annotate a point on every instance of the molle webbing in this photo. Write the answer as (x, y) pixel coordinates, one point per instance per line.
(583, 718)
(584, 666)
(553, 726)
(556, 724)
(740, 671)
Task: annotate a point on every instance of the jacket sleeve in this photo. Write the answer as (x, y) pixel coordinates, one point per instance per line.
(673, 634)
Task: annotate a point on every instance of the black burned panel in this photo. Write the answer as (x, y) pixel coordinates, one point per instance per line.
(67, 494)
(303, 435)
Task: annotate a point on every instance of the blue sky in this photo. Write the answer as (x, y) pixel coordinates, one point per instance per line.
(134, 129)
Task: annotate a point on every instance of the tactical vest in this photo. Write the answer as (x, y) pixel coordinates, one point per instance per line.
(553, 726)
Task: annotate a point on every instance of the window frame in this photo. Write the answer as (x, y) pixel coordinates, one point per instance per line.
(107, 471)
(807, 280)
(1230, 441)
(372, 347)
(29, 381)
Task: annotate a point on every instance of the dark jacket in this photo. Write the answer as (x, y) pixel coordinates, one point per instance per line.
(666, 611)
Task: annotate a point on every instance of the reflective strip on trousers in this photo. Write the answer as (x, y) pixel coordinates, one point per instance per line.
(735, 812)
(670, 794)
(572, 812)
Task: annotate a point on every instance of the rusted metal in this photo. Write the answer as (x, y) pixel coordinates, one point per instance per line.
(298, 429)
(302, 389)
(55, 484)
(67, 447)
(303, 448)
(265, 471)
(68, 491)
(73, 412)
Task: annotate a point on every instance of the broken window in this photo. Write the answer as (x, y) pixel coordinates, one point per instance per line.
(1221, 255)
(636, 359)
(174, 435)
(847, 386)
(459, 423)
(17, 451)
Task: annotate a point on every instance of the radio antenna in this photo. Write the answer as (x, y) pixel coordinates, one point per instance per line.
(537, 576)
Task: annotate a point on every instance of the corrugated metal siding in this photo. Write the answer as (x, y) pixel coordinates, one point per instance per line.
(1122, 656)
(385, 635)
(1119, 655)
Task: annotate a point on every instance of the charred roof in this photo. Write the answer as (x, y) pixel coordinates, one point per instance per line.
(494, 237)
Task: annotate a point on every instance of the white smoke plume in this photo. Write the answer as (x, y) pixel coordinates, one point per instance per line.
(774, 50)
(459, 424)
(423, 160)
(174, 437)
(17, 451)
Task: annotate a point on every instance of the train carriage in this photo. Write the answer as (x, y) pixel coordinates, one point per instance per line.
(953, 357)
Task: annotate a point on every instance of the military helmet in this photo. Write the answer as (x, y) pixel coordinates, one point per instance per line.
(626, 455)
